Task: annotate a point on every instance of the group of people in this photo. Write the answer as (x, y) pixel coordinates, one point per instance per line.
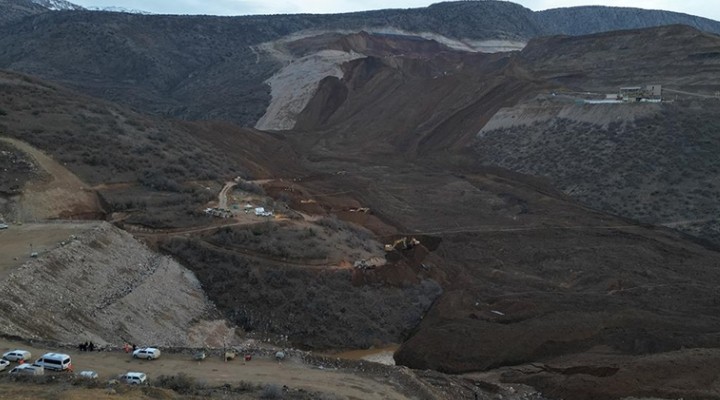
(127, 347)
(87, 346)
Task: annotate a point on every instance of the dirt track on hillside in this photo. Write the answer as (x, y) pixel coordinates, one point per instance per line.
(62, 195)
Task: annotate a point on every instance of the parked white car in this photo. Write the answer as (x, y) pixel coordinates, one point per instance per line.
(4, 364)
(28, 369)
(17, 355)
(88, 374)
(4, 225)
(148, 353)
(134, 378)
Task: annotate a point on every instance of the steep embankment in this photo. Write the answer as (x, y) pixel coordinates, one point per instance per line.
(103, 285)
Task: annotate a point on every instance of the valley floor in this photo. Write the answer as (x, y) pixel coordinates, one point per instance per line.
(216, 372)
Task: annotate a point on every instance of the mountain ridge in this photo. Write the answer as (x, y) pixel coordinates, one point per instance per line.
(164, 64)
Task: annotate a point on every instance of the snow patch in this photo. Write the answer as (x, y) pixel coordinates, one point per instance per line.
(58, 5)
(119, 10)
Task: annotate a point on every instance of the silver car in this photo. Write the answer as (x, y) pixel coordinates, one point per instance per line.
(17, 355)
(148, 353)
(88, 374)
(134, 378)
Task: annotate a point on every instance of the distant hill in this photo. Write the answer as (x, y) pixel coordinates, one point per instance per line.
(11, 10)
(204, 67)
(595, 19)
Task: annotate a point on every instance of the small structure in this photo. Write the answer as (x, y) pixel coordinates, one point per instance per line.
(631, 93)
(640, 93)
(218, 212)
(261, 212)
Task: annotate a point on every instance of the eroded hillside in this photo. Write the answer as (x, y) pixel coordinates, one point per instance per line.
(98, 283)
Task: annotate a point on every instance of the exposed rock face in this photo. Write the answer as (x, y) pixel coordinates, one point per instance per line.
(105, 286)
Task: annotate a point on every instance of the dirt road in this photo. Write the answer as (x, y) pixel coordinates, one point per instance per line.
(222, 197)
(63, 195)
(293, 373)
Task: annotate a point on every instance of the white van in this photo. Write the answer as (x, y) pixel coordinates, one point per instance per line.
(54, 361)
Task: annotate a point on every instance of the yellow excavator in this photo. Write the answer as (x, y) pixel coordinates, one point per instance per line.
(402, 244)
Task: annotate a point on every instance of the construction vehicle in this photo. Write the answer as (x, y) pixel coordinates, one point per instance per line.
(402, 244)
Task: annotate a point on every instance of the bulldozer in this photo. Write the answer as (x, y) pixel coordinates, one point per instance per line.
(402, 244)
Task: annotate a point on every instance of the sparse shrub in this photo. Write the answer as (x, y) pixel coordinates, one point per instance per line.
(245, 386)
(181, 383)
(271, 391)
(251, 188)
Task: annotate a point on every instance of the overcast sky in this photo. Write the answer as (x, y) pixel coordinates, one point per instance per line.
(704, 8)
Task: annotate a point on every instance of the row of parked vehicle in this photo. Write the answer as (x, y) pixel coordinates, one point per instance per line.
(63, 362)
